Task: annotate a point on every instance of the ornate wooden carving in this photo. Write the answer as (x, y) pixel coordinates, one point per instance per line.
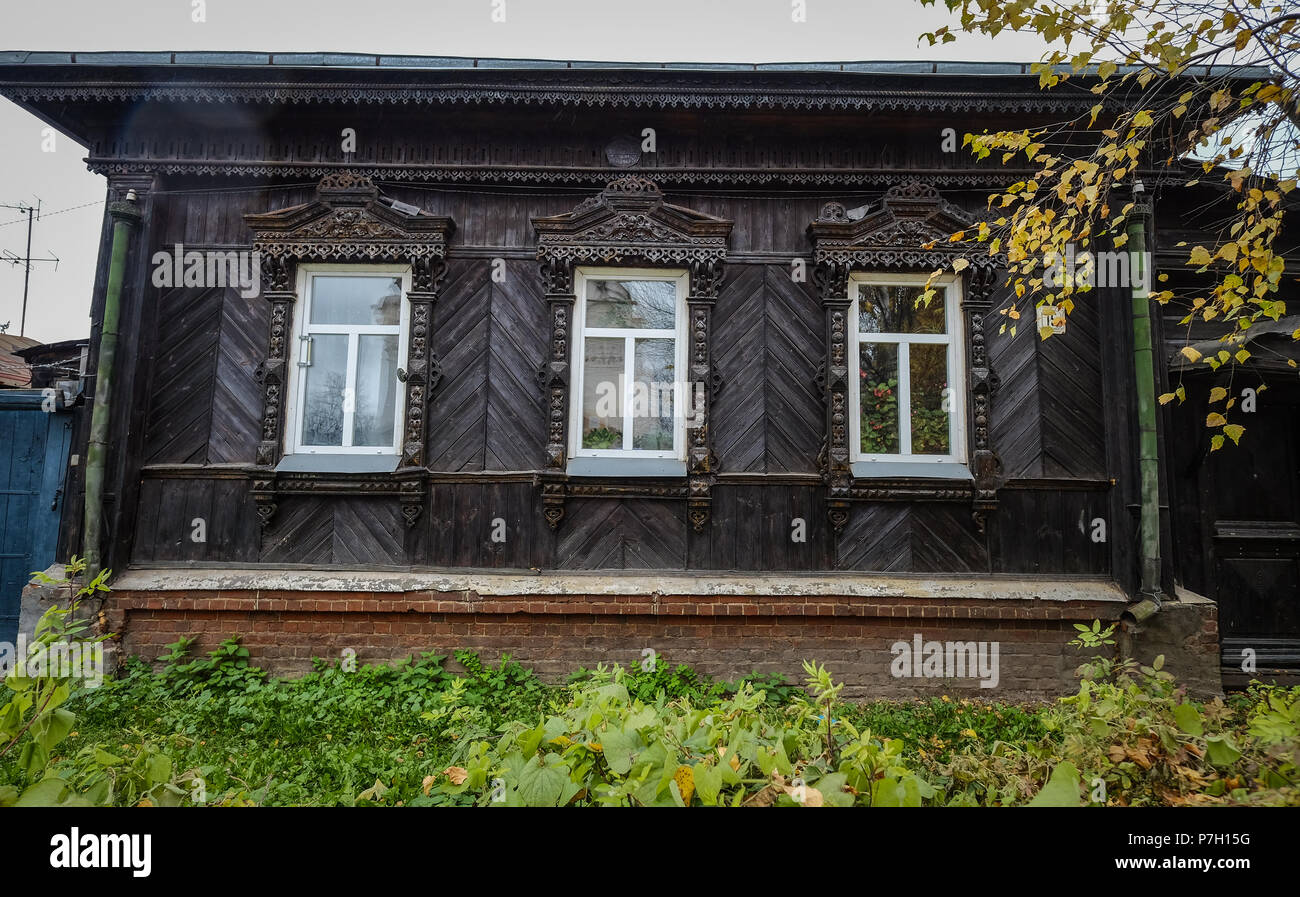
(702, 172)
(346, 222)
(422, 368)
(986, 467)
(907, 231)
(628, 223)
(702, 463)
(658, 89)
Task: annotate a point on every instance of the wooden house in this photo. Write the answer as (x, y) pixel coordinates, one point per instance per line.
(593, 362)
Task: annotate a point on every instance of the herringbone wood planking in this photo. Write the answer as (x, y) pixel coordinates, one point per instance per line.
(237, 395)
(302, 532)
(736, 415)
(768, 344)
(876, 538)
(1014, 427)
(889, 537)
(518, 341)
(457, 414)
(632, 534)
(181, 387)
(368, 531)
(1047, 416)
(1070, 387)
(794, 349)
(336, 531)
(945, 539)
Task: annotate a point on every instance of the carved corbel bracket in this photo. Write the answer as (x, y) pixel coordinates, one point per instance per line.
(264, 501)
(412, 489)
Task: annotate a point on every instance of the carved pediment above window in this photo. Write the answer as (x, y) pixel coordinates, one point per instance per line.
(908, 229)
(347, 221)
(629, 223)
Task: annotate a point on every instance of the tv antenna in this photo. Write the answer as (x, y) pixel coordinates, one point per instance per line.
(26, 260)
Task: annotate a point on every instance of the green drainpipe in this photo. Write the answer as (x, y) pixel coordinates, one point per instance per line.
(126, 215)
(1145, 382)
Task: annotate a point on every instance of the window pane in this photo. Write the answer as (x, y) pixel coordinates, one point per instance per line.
(602, 393)
(879, 393)
(893, 309)
(929, 370)
(376, 399)
(643, 304)
(652, 396)
(356, 300)
(327, 377)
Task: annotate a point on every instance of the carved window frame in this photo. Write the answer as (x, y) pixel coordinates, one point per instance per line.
(629, 225)
(907, 232)
(952, 338)
(347, 223)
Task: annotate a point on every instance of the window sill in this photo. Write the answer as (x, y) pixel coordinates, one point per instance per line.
(626, 467)
(928, 470)
(337, 463)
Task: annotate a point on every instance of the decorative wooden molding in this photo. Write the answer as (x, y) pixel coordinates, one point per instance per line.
(473, 87)
(628, 223)
(347, 222)
(907, 231)
(984, 382)
(853, 178)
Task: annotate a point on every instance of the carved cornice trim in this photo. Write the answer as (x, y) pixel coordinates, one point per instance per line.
(334, 484)
(624, 489)
(586, 177)
(911, 490)
(615, 89)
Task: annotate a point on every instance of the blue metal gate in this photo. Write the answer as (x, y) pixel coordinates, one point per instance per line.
(33, 464)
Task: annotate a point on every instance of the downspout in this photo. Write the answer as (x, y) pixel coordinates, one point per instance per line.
(126, 215)
(1145, 385)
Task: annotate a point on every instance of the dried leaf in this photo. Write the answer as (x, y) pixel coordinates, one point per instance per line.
(685, 779)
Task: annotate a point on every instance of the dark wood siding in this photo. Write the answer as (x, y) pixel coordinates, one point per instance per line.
(201, 406)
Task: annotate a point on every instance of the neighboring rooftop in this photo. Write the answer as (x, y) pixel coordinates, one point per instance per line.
(14, 372)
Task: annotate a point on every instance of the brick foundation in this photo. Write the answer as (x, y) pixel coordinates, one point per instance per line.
(723, 635)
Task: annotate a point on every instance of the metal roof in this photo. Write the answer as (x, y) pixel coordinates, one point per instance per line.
(204, 59)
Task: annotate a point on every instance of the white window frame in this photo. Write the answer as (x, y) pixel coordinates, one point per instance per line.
(953, 339)
(297, 377)
(628, 334)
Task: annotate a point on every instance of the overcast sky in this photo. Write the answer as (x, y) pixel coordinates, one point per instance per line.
(658, 31)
